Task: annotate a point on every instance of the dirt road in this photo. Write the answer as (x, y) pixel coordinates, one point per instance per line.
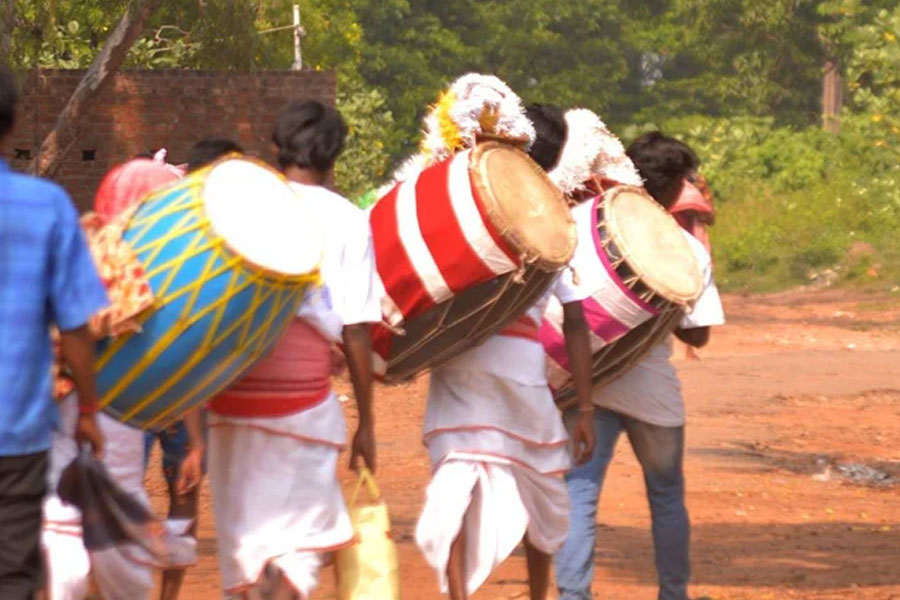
(793, 465)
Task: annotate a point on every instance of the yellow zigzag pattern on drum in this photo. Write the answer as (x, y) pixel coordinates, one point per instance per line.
(286, 290)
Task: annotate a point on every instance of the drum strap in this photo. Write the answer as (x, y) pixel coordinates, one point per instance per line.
(523, 327)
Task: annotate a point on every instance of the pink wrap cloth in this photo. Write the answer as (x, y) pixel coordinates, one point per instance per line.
(296, 376)
(120, 270)
(126, 282)
(130, 182)
(694, 210)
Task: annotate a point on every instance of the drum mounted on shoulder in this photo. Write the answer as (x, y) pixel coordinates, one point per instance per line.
(643, 276)
(463, 249)
(229, 251)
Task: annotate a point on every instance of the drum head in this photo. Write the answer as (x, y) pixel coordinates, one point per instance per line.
(526, 209)
(261, 218)
(653, 244)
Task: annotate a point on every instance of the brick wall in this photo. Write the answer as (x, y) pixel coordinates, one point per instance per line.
(143, 110)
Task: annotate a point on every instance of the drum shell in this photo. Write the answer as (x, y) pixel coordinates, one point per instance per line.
(456, 325)
(496, 279)
(213, 317)
(627, 318)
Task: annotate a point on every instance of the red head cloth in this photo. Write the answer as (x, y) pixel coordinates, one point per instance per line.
(130, 182)
(693, 209)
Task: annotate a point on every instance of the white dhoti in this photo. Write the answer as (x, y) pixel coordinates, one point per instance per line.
(499, 448)
(123, 572)
(495, 503)
(276, 495)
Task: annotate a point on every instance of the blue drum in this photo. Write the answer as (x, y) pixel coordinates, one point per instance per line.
(230, 251)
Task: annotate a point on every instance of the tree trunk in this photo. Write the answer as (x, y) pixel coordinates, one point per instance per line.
(832, 96)
(52, 150)
(7, 18)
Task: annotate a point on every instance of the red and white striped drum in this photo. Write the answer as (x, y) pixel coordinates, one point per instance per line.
(462, 250)
(643, 274)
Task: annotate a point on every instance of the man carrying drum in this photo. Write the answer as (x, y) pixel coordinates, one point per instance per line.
(182, 445)
(116, 572)
(275, 436)
(647, 404)
(495, 438)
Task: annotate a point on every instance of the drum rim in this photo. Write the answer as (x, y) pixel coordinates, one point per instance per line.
(651, 281)
(527, 253)
(252, 265)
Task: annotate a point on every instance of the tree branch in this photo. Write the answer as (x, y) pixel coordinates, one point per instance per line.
(7, 20)
(52, 150)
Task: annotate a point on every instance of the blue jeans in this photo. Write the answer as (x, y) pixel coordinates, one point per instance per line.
(660, 450)
(175, 442)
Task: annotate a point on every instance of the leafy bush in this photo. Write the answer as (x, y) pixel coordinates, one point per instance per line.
(793, 203)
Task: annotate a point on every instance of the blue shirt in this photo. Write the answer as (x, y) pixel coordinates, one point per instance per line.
(47, 276)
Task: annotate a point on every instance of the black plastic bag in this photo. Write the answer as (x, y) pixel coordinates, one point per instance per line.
(113, 518)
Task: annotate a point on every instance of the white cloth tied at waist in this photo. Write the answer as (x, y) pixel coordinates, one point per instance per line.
(322, 424)
(124, 572)
(497, 503)
(494, 416)
(276, 496)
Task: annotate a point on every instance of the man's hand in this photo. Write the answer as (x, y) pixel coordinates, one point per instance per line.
(364, 446)
(88, 432)
(583, 438)
(190, 472)
(338, 362)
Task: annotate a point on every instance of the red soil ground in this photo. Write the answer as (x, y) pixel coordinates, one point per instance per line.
(796, 387)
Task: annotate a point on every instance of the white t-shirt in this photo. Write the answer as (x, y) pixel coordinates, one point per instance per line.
(515, 358)
(349, 293)
(650, 391)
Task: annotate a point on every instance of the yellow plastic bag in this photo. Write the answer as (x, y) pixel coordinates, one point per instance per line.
(367, 570)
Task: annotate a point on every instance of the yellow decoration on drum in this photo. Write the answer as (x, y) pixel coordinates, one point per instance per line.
(449, 129)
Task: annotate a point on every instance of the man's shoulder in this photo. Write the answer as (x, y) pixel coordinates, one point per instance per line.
(333, 204)
(700, 251)
(36, 191)
(35, 184)
(343, 205)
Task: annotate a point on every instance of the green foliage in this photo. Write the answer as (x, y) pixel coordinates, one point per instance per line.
(734, 57)
(364, 161)
(570, 53)
(793, 203)
(739, 80)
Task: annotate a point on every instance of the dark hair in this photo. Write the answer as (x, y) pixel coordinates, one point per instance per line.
(551, 129)
(309, 134)
(663, 162)
(210, 150)
(9, 97)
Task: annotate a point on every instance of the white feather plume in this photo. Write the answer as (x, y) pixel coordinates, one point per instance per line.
(591, 149)
(477, 99)
(477, 95)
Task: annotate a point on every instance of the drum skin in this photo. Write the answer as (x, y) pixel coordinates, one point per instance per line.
(214, 315)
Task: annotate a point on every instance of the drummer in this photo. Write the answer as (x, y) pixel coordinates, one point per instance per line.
(183, 444)
(496, 440)
(69, 561)
(646, 403)
(276, 435)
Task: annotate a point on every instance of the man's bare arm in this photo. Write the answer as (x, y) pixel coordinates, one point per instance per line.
(77, 351)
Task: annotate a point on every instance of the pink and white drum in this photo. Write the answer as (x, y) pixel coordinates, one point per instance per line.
(643, 274)
(463, 249)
